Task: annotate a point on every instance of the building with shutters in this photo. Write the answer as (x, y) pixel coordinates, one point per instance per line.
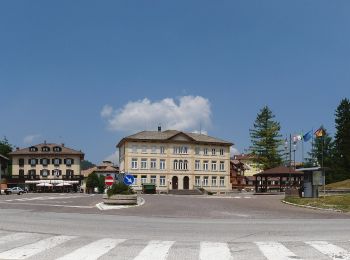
(175, 160)
(46, 163)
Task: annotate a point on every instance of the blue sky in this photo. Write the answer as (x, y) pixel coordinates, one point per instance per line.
(63, 63)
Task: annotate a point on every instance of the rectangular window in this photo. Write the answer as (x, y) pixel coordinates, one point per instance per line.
(213, 151)
(134, 163)
(32, 162)
(21, 174)
(185, 150)
(213, 181)
(162, 180)
(154, 149)
(68, 162)
(56, 162)
(221, 151)
(222, 181)
(154, 179)
(213, 166)
(206, 181)
(135, 180)
(205, 166)
(144, 149)
(21, 162)
(143, 179)
(197, 150)
(222, 166)
(162, 164)
(162, 150)
(205, 151)
(143, 163)
(197, 166)
(153, 163)
(197, 181)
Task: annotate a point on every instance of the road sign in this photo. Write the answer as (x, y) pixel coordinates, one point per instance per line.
(129, 179)
(109, 180)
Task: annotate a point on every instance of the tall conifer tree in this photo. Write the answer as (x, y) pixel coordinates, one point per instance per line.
(266, 139)
(342, 140)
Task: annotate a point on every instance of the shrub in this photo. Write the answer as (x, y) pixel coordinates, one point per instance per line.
(120, 188)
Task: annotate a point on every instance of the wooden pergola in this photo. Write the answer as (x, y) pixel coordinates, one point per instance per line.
(285, 176)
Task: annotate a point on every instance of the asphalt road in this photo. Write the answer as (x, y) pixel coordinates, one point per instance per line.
(170, 227)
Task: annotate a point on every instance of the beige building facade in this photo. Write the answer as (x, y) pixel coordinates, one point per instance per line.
(46, 163)
(175, 160)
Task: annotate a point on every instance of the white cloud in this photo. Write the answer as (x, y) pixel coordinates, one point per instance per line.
(187, 113)
(234, 151)
(107, 111)
(114, 158)
(29, 139)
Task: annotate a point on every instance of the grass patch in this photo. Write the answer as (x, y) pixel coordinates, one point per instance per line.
(339, 202)
(339, 185)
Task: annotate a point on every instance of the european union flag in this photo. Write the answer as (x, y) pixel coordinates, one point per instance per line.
(307, 136)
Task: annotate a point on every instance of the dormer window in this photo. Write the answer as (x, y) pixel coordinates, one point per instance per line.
(33, 149)
(45, 149)
(57, 149)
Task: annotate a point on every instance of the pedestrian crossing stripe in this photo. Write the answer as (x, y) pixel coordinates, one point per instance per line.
(152, 250)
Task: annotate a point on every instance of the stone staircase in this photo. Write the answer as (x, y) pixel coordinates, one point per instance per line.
(185, 192)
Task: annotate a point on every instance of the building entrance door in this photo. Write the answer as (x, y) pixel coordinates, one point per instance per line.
(186, 183)
(175, 183)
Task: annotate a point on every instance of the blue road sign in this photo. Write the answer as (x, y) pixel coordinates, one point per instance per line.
(129, 179)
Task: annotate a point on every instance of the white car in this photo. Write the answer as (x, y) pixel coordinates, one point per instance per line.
(14, 190)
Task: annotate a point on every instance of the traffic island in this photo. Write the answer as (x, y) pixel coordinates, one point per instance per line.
(119, 199)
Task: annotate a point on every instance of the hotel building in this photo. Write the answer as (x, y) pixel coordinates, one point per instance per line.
(175, 160)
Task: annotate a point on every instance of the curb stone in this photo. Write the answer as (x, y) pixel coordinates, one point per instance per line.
(311, 207)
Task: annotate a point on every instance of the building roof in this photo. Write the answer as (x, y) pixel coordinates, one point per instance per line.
(64, 150)
(169, 135)
(4, 158)
(245, 156)
(105, 167)
(279, 171)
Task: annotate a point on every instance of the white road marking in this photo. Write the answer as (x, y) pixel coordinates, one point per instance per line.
(14, 237)
(247, 197)
(50, 205)
(30, 250)
(237, 197)
(155, 250)
(276, 251)
(330, 250)
(94, 250)
(214, 251)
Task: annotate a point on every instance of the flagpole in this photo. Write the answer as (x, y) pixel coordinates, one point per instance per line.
(302, 147)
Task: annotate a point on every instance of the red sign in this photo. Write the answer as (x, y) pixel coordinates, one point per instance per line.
(109, 180)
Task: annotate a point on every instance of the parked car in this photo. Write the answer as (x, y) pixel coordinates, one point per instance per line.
(14, 190)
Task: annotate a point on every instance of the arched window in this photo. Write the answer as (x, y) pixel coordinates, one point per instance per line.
(185, 165)
(175, 165)
(45, 149)
(181, 165)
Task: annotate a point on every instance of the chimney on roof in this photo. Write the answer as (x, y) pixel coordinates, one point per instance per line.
(62, 144)
(159, 128)
(17, 148)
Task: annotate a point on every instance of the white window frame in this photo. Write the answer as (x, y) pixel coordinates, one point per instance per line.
(162, 181)
(213, 151)
(153, 164)
(222, 151)
(197, 181)
(197, 165)
(214, 166)
(162, 164)
(154, 179)
(222, 166)
(134, 163)
(162, 150)
(206, 166)
(222, 181)
(143, 180)
(205, 151)
(206, 181)
(143, 164)
(214, 181)
(197, 150)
